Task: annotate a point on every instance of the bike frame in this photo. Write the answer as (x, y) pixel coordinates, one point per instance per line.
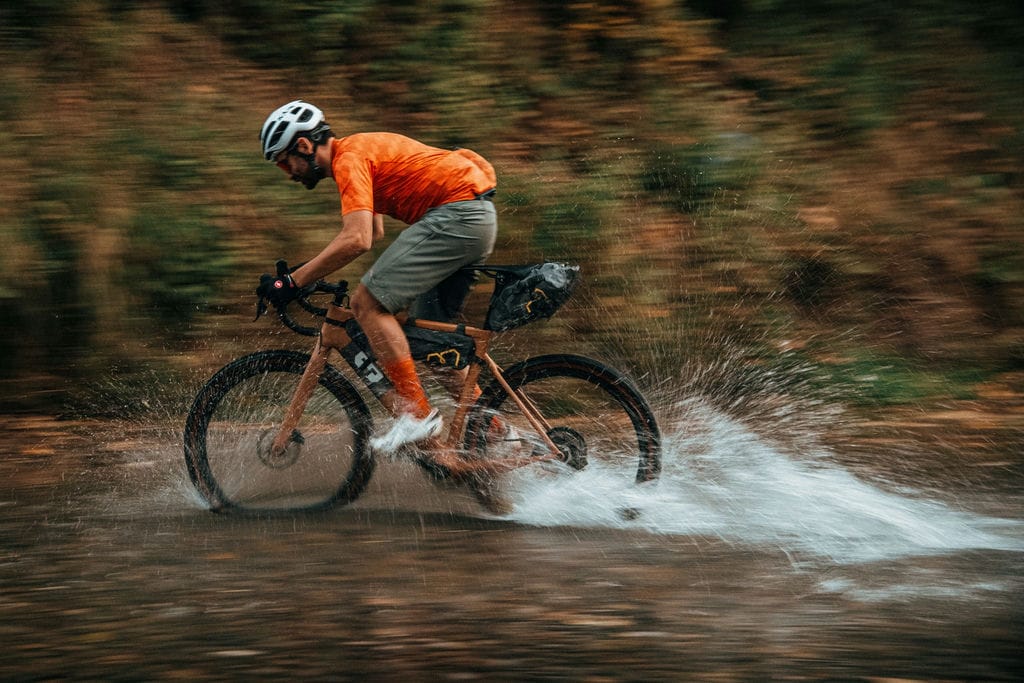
(334, 337)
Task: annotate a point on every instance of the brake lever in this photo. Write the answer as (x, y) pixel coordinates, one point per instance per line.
(261, 308)
(261, 302)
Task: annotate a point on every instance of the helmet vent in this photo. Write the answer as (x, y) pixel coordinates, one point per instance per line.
(276, 135)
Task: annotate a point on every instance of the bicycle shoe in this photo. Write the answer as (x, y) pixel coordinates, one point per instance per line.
(408, 429)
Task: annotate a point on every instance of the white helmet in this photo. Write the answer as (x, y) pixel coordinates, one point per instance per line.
(287, 123)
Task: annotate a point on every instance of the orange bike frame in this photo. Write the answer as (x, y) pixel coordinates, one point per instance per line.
(333, 336)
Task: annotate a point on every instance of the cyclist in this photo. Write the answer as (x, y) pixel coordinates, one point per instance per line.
(444, 197)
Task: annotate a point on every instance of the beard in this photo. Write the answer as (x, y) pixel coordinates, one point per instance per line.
(308, 173)
(310, 177)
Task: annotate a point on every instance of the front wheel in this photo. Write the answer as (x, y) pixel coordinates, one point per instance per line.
(234, 420)
(594, 414)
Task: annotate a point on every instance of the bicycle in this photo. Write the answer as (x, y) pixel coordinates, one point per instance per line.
(282, 429)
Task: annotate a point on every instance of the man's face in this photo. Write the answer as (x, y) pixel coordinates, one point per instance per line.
(298, 169)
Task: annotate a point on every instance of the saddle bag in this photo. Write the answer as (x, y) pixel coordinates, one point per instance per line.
(530, 293)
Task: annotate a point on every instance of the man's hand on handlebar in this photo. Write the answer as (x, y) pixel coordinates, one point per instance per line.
(279, 291)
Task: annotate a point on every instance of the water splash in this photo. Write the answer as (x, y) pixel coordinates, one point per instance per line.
(721, 479)
(742, 462)
(728, 477)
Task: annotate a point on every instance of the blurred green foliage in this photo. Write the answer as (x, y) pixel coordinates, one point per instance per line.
(880, 381)
(175, 263)
(770, 170)
(690, 178)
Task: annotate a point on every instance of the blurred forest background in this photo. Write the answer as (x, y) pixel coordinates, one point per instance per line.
(829, 185)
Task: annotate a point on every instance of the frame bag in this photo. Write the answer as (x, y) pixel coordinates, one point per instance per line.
(440, 349)
(530, 293)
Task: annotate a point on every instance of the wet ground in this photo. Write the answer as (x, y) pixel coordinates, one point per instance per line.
(744, 564)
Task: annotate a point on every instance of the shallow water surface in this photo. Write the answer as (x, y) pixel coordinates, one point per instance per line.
(744, 562)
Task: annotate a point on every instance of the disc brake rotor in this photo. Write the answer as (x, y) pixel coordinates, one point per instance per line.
(282, 460)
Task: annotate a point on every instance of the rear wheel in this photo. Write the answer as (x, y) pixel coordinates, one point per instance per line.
(596, 418)
(234, 420)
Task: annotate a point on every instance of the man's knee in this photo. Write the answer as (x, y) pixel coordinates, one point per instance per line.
(365, 305)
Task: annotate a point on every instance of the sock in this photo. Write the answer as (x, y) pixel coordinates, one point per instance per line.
(402, 374)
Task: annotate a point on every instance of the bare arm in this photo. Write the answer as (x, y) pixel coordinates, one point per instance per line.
(359, 229)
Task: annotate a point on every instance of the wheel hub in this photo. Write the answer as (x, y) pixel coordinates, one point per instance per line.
(571, 446)
(284, 459)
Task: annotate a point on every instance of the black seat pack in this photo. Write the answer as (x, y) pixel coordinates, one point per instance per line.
(523, 294)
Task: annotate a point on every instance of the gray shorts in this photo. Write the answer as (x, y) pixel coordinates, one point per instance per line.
(419, 270)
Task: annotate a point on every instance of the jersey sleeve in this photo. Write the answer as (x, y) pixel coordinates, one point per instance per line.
(354, 177)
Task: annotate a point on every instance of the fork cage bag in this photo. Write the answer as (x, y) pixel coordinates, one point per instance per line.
(533, 293)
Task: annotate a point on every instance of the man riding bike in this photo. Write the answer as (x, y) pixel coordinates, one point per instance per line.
(444, 197)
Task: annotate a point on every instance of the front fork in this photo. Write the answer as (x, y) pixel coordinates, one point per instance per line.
(360, 360)
(303, 392)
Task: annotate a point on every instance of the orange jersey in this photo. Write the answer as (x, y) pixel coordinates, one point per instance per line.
(397, 176)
